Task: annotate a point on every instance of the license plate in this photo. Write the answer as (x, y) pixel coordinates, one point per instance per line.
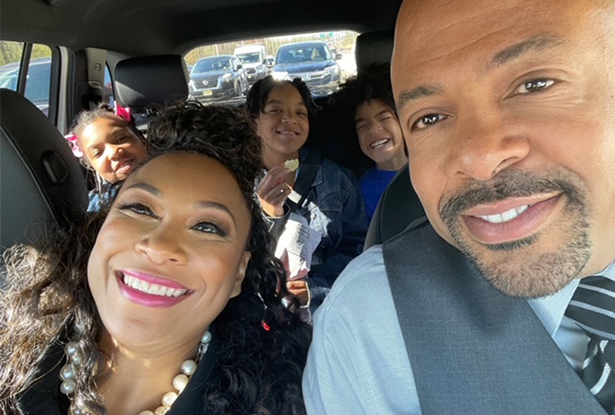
(207, 93)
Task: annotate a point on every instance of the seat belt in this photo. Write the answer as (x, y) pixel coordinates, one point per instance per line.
(307, 173)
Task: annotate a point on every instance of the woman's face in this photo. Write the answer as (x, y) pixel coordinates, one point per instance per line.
(112, 149)
(171, 252)
(284, 125)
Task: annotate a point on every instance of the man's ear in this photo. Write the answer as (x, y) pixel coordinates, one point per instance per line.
(241, 273)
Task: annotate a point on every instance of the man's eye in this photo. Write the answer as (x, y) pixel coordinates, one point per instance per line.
(208, 227)
(534, 85)
(427, 121)
(138, 208)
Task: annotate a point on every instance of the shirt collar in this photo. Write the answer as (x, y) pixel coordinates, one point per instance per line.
(550, 309)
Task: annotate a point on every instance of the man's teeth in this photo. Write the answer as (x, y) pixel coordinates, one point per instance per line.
(379, 143)
(506, 216)
(153, 289)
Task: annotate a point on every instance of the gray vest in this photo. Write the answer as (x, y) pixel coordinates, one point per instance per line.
(474, 350)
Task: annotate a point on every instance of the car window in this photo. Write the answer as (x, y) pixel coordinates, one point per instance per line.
(108, 96)
(258, 59)
(38, 81)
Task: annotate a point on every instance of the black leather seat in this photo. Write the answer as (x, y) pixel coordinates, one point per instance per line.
(373, 49)
(145, 82)
(398, 208)
(40, 179)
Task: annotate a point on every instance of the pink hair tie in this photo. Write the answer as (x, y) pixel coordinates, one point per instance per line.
(123, 112)
(74, 145)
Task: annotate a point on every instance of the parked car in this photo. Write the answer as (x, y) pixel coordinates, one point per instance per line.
(252, 58)
(218, 77)
(313, 62)
(38, 81)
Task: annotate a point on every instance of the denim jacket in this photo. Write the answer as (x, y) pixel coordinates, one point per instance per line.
(334, 207)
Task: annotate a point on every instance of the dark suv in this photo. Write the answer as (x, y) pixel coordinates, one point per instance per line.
(218, 77)
(313, 62)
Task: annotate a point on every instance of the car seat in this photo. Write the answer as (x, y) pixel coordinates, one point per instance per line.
(40, 179)
(143, 83)
(373, 49)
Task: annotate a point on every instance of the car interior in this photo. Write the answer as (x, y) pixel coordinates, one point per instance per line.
(141, 45)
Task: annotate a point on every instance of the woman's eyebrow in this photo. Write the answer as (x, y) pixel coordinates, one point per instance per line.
(216, 205)
(147, 187)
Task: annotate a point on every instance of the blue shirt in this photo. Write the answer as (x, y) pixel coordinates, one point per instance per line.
(358, 363)
(373, 183)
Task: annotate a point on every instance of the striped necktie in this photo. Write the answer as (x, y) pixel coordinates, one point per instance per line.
(593, 308)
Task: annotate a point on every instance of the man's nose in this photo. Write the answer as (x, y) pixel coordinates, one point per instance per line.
(483, 145)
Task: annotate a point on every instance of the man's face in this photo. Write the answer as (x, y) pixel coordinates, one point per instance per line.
(508, 110)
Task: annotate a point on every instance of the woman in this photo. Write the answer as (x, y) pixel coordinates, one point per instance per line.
(110, 146)
(176, 283)
(333, 209)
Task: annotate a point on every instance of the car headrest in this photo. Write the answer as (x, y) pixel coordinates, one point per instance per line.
(40, 178)
(148, 80)
(398, 207)
(373, 49)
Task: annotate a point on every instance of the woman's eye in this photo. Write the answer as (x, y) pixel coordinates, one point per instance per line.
(208, 227)
(427, 121)
(302, 114)
(121, 139)
(138, 208)
(534, 85)
(361, 126)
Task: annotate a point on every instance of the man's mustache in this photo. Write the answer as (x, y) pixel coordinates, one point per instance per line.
(507, 184)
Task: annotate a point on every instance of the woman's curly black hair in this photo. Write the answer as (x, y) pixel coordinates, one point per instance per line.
(48, 300)
(259, 92)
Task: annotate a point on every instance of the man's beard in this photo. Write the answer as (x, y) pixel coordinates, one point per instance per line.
(518, 268)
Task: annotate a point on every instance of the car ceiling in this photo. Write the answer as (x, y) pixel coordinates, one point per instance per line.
(150, 27)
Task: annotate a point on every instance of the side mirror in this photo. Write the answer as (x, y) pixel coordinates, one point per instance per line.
(239, 66)
(338, 56)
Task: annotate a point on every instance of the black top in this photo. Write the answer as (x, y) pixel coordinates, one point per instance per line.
(45, 398)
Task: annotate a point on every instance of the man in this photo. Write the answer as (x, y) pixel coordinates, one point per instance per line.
(508, 111)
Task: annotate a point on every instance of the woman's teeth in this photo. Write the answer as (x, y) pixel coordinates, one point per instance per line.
(505, 216)
(153, 289)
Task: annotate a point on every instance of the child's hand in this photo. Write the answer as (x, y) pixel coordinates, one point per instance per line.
(273, 191)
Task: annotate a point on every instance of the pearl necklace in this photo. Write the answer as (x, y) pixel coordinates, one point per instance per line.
(69, 373)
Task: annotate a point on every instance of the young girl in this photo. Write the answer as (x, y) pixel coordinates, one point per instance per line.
(109, 145)
(332, 210)
(370, 101)
(172, 290)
